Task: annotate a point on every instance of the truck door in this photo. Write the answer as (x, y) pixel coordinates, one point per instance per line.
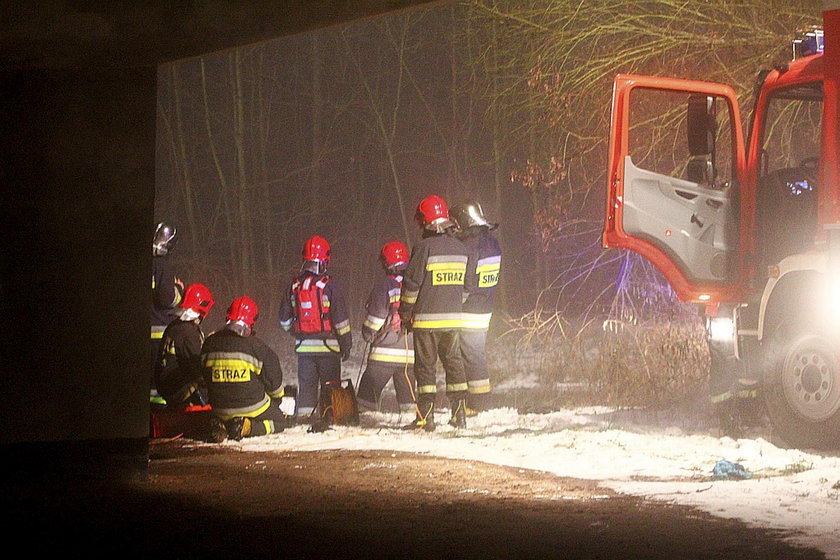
(676, 192)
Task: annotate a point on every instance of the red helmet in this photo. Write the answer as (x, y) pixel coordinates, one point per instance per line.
(316, 249)
(198, 298)
(394, 254)
(432, 210)
(243, 309)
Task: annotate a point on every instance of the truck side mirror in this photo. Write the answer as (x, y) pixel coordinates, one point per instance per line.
(701, 125)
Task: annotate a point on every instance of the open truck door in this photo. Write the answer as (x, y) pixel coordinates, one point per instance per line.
(680, 200)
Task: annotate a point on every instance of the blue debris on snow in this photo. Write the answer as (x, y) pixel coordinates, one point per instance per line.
(730, 470)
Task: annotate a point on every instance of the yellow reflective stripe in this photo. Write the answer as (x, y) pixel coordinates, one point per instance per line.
(479, 387)
(426, 389)
(497, 259)
(456, 387)
(394, 299)
(247, 411)
(438, 321)
(316, 345)
(157, 335)
(374, 323)
(237, 356)
(315, 350)
(392, 355)
(343, 330)
(435, 259)
(279, 394)
(462, 266)
(479, 321)
(488, 275)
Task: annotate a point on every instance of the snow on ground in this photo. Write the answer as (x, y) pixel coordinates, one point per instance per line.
(795, 491)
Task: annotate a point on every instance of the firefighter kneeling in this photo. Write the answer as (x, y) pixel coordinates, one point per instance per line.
(244, 377)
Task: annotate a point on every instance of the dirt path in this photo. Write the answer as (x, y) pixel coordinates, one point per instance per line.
(218, 502)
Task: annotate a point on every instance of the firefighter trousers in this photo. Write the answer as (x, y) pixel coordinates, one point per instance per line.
(473, 344)
(376, 377)
(314, 370)
(429, 345)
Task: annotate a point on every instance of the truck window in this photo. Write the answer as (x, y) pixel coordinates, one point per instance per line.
(787, 188)
(658, 138)
(792, 128)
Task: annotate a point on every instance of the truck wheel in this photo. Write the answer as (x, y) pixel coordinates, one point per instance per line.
(802, 385)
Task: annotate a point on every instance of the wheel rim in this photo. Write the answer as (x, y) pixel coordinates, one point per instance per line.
(810, 379)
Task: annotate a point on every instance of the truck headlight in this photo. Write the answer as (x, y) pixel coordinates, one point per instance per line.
(721, 329)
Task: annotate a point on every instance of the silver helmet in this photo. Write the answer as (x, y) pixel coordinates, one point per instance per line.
(164, 239)
(470, 214)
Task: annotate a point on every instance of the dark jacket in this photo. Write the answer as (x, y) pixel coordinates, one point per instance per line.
(339, 339)
(478, 307)
(242, 374)
(178, 370)
(435, 283)
(165, 295)
(388, 344)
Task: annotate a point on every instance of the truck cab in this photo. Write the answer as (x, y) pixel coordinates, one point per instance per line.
(745, 226)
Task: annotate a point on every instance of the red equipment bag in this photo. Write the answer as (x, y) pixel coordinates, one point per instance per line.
(312, 308)
(191, 422)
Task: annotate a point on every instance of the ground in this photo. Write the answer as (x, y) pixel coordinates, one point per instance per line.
(215, 501)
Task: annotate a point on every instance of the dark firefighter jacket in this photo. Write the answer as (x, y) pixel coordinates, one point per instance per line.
(178, 370)
(242, 374)
(434, 283)
(165, 295)
(339, 340)
(478, 307)
(388, 344)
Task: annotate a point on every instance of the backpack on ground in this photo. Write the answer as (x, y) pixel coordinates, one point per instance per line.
(337, 406)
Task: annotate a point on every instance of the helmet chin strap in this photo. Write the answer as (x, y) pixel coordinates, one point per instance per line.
(239, 328)
(189, 315)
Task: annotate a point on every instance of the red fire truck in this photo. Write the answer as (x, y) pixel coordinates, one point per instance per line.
(749, 229)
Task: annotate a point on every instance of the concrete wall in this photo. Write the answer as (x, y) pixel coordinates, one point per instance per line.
(77, 144)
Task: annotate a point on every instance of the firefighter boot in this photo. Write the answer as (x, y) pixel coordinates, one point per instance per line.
(459, 414)
(425, 415)
(476, 403)
(239, 427)
(218, 431)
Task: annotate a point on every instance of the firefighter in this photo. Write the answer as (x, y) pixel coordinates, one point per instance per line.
(434, 286)
(167, 291)
(476, 233)
(391, 354)
(243, 376)
(314, 312)
(178, 372)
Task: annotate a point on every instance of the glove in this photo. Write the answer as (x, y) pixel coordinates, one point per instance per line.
(345, 354)
(396, 322)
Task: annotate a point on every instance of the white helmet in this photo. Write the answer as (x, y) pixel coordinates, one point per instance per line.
(164, 239)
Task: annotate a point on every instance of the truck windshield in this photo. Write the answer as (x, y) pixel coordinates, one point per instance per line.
(787, 190)
(792, 128)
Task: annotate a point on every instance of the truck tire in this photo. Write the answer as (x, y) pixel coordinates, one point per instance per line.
(802, 385)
